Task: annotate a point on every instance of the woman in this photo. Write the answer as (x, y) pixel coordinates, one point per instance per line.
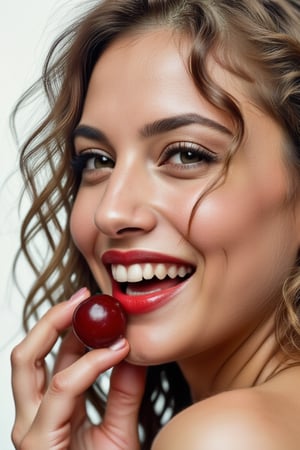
(172, 147)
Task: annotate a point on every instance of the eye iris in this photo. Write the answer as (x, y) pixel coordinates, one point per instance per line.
(189, 157)
(102, 161)
(99, 321)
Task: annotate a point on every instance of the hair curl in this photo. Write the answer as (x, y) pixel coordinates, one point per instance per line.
(258, 40)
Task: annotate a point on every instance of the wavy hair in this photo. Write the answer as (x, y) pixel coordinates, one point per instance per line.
(257, 40)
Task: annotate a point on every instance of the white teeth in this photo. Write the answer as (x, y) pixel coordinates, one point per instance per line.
(172, 272)
(134, 273)
(182, 271)
(119, 273)
(148, 271)
(160, 271)
(137, 272)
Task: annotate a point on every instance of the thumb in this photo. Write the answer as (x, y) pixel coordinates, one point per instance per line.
(121, 416)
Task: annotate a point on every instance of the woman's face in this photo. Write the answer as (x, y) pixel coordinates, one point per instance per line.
(150, 145)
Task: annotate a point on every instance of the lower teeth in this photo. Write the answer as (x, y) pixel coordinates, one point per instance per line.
(130, 291)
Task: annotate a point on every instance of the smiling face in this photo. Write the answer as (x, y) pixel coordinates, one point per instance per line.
(149, 146)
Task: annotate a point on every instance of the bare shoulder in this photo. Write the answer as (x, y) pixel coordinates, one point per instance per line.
(243, 419)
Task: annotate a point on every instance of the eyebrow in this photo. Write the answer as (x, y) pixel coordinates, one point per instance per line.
(157, 127)
(172, 123)
(89, 132)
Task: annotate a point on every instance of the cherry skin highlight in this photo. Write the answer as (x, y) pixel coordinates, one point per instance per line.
(99, 321)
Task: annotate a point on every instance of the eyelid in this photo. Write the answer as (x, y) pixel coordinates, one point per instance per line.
(184, 146)
(81, 158)
(92, 150)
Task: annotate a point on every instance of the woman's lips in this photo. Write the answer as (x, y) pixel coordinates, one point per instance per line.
(143, 281)
(139, 256)
(144, 303)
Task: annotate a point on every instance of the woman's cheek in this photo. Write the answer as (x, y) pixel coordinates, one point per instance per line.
(253, 224)
(215, 224)
(229, 216)
(86, 238)
(82, 228)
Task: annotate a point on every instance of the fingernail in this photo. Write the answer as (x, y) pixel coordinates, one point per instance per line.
(79, 295)
(120, 343)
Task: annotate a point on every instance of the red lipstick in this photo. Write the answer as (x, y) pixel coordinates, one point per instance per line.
(163, 292)
(139, 256)
(141, 304)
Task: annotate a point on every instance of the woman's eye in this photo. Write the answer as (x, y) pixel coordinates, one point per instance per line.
(186, 157)
(91, 161)
(99, 162)
(187, 154)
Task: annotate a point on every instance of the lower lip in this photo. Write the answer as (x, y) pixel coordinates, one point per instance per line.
(141, 304)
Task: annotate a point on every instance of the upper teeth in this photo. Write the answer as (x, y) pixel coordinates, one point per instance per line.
(139, 272)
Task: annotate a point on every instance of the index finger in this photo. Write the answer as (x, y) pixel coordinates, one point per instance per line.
(27, 357)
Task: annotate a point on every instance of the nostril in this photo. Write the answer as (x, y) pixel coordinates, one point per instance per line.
(128, 230)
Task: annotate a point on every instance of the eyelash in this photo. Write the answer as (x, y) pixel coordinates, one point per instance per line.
(204, 156)
(79, 162)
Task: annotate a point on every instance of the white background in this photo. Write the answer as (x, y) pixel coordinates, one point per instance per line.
(27, 28)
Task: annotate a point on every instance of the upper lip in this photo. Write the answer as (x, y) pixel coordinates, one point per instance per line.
(127, 258)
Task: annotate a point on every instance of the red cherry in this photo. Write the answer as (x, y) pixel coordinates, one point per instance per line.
(98, 321)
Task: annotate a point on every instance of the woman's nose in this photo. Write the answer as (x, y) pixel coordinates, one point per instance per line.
(125, 206)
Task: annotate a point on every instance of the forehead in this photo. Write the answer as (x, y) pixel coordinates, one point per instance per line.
(148, 55)
(146, 70)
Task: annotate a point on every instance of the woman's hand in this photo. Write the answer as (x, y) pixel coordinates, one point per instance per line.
(51, 414)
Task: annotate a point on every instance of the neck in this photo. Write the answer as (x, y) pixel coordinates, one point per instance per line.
(256, 358)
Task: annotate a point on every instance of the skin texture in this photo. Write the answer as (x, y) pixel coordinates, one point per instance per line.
(243, 239)
(132, 207)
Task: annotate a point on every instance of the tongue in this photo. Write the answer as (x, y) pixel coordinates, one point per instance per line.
(148, 286)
